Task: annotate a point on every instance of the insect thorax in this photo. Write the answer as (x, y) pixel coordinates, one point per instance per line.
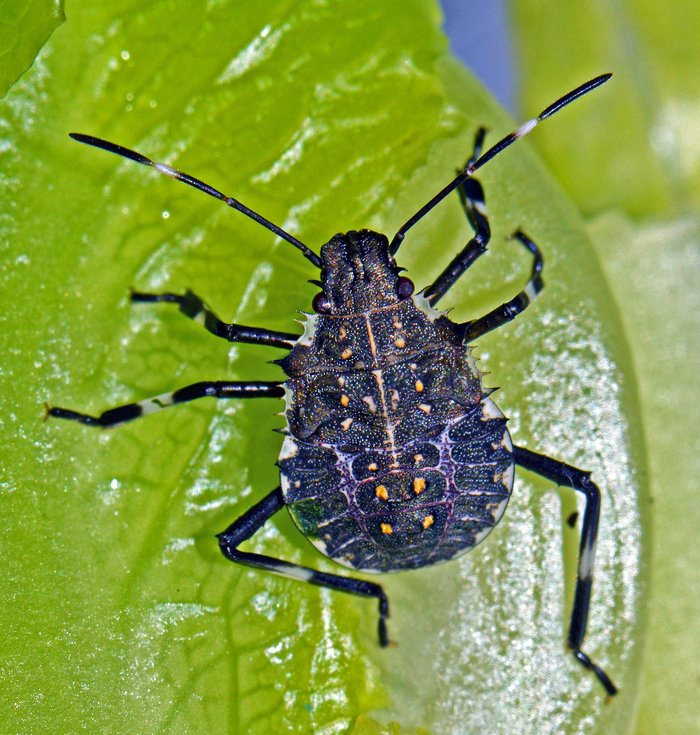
(395, 457)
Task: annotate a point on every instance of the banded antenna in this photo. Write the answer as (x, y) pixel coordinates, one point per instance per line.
(524, 129)
(197, 184)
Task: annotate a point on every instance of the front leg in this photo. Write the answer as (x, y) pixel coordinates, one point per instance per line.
(471, 196)
(568, 476)
(194, 308)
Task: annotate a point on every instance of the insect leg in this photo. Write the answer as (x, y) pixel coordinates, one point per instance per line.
(194, 308)
(471, 195)
(508, 311)
(217, 389)
(569, 476)
(253, 520)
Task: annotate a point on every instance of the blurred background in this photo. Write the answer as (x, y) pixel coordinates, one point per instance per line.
(480, 37)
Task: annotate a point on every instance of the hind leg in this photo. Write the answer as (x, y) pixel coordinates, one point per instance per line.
(254, 519)
(566, 475)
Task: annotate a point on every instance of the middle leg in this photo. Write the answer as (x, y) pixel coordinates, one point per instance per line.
(213, 388)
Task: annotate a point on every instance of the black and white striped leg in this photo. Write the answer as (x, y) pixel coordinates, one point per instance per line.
(253, 520)
(565, 475)
(471, 195)
(508, 311)
(194, 308)
(215, 389)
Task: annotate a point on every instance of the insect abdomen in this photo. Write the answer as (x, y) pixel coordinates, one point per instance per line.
(441, 499)
(395, 457)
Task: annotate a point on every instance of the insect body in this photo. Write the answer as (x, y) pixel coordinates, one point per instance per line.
(395, 457)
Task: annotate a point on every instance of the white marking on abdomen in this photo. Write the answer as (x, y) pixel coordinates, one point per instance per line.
(508, 477)
(500, 509)
(479, 537)
(289, 448)
(385, 412)
(489, 410)
(370, 402)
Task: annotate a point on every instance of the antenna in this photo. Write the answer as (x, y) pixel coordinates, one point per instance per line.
(197, 184)
(524, 129)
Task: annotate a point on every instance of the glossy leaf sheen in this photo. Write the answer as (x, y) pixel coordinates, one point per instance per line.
(323, 117)
(25, 26)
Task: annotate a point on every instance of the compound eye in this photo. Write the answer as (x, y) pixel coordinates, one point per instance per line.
(321, 304)
(405, 287)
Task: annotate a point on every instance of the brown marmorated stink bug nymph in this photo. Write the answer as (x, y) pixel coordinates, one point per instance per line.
(394, 457)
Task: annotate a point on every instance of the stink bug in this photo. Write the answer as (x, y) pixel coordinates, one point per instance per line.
(394, 457)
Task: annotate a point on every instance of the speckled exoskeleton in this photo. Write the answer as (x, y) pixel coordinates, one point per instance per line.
(395, 457)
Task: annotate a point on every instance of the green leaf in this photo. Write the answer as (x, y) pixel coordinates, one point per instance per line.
(121, 611)
(25, 26)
